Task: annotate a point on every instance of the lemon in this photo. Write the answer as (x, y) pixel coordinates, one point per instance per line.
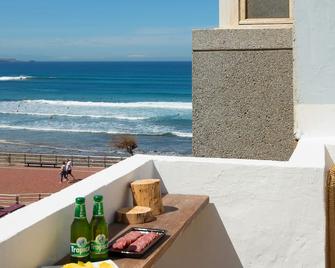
(72, 265)
(87, 265)
(105, 265)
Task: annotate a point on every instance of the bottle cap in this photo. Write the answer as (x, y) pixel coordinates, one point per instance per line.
(98, 198)
(80, 200)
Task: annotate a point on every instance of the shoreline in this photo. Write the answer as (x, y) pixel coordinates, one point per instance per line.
(19, 141)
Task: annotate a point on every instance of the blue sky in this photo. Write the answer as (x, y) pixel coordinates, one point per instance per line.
(102, 29)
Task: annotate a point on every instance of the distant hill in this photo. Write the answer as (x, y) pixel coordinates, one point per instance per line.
(7, 60)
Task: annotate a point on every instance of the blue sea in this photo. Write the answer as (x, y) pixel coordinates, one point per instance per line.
(78, 107)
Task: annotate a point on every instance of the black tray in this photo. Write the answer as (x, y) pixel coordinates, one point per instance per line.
(131, 254)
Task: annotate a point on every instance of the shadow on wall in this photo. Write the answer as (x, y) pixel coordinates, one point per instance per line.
(205, 243)
(156, 175)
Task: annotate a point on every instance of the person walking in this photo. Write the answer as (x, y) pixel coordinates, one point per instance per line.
(69, 166)
(63, 173)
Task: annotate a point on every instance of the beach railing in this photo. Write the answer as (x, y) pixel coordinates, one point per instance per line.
(9, 159)
(25, 199)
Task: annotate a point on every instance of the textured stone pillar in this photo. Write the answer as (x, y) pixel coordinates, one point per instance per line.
(243, 93)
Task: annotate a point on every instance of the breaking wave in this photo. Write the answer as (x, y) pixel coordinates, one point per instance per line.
(150, 105)
(14, 78)
(173, 133)
(119, 117)
(138, 118)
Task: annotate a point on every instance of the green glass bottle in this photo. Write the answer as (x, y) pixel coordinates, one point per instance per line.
(99, 231)
(80, 233)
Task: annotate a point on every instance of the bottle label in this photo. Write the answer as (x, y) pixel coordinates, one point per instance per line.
(81, 248)
(80, 211)
(100, 244)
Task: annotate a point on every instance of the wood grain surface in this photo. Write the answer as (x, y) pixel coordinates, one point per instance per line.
(179, 211)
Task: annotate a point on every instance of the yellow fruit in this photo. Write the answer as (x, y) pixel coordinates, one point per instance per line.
(88, 265)
(105, 265)
(79, 265)
(72, 265)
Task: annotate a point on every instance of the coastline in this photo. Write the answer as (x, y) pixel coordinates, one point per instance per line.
(93, 144)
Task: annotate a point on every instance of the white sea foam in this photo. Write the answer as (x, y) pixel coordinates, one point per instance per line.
(150, 105)
(120, 117)
(135, 118)
(14, 78)
(141, 118)
(182, 134)
(176, 133)
(49, 129)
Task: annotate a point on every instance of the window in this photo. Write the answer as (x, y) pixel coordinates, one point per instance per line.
(265, 12)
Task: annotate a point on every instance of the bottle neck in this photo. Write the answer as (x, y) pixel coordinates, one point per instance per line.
(80, 211)
(98, 209)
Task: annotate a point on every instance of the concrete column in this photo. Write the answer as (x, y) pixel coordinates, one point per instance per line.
(243, 93)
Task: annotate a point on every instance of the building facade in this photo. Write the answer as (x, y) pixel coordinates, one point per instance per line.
(243, 82)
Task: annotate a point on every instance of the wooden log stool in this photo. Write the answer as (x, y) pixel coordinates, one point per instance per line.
(147, 193)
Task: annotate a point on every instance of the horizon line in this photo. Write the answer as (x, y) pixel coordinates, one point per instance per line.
(87, 61)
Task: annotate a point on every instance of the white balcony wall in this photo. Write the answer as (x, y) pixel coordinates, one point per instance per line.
(273, 213)
(262, 213)
(39, 234)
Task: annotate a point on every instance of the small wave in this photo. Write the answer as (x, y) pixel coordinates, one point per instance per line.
(120, 117)
(50, 129)
(178, 134)
(173, 133)
(157, 105)
(14, 78)
(182, 134)
(129, 118)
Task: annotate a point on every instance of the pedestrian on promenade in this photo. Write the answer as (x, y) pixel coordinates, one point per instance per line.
(69, 166)
(63, 173)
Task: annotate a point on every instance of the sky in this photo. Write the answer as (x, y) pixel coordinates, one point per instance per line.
(102, 30)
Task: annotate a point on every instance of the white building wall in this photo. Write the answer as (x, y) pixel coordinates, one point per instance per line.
(314, 52)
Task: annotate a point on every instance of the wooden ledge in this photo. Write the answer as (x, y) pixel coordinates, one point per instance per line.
(180, 210)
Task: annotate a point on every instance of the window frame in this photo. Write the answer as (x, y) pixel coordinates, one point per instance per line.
(243, 20)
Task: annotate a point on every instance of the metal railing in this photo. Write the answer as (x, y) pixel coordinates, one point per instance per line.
(27, 198)
(77, 160)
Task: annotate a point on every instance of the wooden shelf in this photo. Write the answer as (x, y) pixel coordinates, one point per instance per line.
(180, 210)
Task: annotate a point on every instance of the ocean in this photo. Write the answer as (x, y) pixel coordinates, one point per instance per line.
(78, 107)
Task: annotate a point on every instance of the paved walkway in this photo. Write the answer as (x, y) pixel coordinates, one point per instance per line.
(16, 180)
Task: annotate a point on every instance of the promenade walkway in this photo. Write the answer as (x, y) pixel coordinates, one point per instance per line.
(16, 180)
